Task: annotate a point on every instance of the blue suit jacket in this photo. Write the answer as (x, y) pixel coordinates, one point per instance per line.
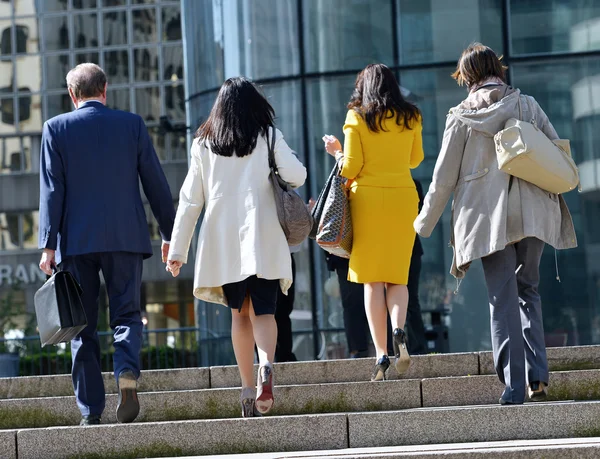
(92, 160)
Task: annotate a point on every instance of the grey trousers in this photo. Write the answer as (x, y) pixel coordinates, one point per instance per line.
(512, 277)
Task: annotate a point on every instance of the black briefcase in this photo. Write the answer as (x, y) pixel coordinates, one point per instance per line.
(59, 310)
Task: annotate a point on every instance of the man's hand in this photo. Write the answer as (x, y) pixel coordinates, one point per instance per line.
(47, 262)
(173, 267)
(165, 251)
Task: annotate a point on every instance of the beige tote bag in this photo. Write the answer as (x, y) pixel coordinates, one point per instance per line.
(524, 151)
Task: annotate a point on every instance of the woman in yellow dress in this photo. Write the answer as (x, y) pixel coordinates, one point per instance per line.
(382, 143)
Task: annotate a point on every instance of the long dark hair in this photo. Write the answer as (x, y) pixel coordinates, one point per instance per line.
(240, 114)
(376, 93)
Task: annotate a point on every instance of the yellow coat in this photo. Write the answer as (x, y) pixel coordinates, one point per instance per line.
(383, 199)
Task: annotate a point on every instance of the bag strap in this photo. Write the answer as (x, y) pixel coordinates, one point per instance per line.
(271, 148)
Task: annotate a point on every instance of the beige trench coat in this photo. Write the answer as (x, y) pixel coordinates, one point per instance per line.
(485, 216)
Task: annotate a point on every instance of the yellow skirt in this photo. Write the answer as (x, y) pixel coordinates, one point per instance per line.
(382, 223)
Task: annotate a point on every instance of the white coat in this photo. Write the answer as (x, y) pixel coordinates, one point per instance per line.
(240, 234)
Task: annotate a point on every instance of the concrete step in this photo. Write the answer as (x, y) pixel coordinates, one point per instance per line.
(220, 403)
(423, 426)
(300, 399)
(312, 372)
(487, 389)
(569, 448)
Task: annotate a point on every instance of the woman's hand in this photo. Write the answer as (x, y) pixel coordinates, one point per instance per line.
(174, 267)
(332, 144)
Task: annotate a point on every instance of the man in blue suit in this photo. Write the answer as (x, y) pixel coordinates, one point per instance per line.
(92, 219)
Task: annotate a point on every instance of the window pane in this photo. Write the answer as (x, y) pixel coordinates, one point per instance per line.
(171, 23)
(10, 156)
(118, 99)
(6, 41)
(428, 32)
(116, 66)
(178, 146)
(200, 107)
(84, 4)
(158, 140)
(144, 25)
(115, 28)
(23, 7)
(31, 150)
(114, 2)
(9, 231)
(30, 113)
(58, 104)
(175, 102)
(82, 58)
(7, 120)
(142, 1)
(85, 30)
(29, 72)
(145, 64)
(148, 103)
(57, 68)
(342, 35)
(173, 62)
(554, 26)
(27, 35)
(30, 230)
(48, 6)
(56, 33)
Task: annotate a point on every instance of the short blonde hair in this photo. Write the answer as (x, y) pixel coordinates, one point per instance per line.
(477, 63)
(86, 81)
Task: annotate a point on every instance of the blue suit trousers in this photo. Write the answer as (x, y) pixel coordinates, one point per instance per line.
(122, 272)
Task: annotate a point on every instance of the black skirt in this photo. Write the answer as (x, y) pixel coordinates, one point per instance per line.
(262, 292)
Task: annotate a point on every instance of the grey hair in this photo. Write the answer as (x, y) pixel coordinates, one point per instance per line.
(86, 81)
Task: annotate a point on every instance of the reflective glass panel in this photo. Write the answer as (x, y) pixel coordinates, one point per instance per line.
(84, 4)
(144, 25)
(6, 40)
(57, 104)
(6, 76)
(142, 1)
(29, 72)
(118, 99)
(116, 66)
(11, 159)
(7, 118)
(5, 9)
(47, 6)
(30, 113)
(159, 142)
(82, 58)
(27, 31)
(175, 102)
(145, 64)
(30, 229)
(266, 37)
(173, 63)
(171, 23)
(30, 145)
(115, 28)
(148, 103)
(85, 30)
(56, 33)
(114, 2)
(178, 146)
(438, 30)
(9, 231)
(57, 67)
(545, 26)
(342, 35)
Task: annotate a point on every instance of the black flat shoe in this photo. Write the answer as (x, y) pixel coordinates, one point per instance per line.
(506, 402)
(401, 351)
(381, 367)
(91, 420)
(129, 406)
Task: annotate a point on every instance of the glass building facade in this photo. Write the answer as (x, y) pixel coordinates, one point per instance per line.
(306, 53)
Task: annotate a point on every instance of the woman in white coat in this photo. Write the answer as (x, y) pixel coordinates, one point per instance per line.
(243, 258)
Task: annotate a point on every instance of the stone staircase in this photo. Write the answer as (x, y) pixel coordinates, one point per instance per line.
(446, 405)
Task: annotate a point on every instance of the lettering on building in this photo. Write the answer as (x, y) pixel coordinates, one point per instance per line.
(21, 273)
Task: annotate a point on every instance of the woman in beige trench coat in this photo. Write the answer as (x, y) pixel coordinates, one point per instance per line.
(502, 220)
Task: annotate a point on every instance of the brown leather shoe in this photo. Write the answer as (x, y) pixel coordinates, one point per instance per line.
(129, 406)
(537, 391)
